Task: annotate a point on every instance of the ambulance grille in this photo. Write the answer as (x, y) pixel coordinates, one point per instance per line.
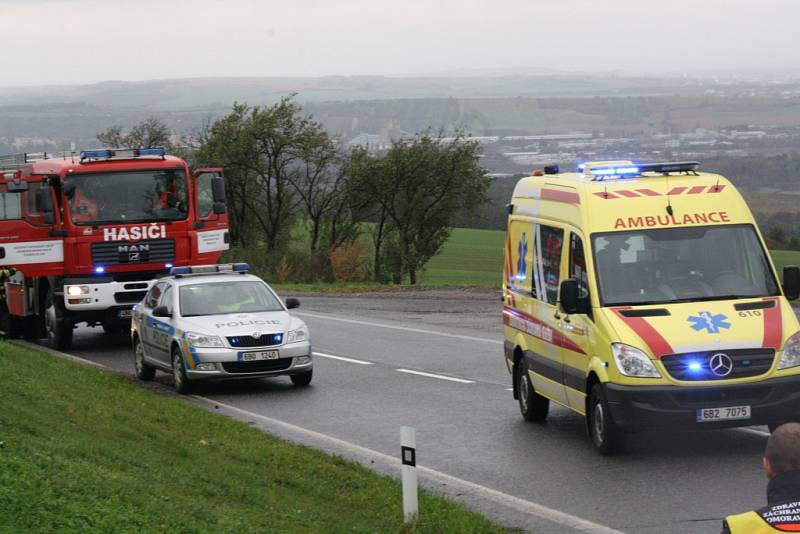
(258, 366)
(125, 252)
(266, 340)
(697, 365)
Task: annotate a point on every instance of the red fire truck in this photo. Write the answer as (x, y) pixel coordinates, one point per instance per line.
(83, 235)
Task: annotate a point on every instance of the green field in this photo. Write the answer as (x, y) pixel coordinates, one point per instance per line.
(475, 257)
(83, 450)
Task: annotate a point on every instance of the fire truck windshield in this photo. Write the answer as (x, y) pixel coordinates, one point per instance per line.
(127, 197)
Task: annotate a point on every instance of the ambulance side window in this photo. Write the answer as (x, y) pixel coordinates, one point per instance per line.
(166, 299)
(152, 298)
(548, 264)
(577, 262)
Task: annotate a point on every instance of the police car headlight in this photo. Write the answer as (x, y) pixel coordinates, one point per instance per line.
(74, 291)
(791, 353)
(203, 341)
(295, 336)
(633, 362)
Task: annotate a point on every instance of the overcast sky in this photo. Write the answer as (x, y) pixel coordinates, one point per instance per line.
(85, 41)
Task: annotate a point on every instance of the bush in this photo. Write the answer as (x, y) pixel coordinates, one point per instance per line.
(349, 262)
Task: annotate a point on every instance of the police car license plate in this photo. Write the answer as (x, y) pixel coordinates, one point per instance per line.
(259, 355)
(728, 413)
(125, 314)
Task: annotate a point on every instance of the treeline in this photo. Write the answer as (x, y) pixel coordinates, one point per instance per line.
(302, 209)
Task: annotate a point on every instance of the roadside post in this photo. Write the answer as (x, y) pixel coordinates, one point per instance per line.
(408, 456)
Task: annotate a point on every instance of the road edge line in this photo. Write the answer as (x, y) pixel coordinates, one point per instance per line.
(458, 488)
(56, 353)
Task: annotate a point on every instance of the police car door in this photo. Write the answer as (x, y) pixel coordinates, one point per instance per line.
(147, 321)
(163, 330)
(577, 329)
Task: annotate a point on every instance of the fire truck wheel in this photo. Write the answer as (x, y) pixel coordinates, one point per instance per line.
(8, 326)
(143, 371)
(533, 406)
(606, 436)
(59, 332)
(182, 383)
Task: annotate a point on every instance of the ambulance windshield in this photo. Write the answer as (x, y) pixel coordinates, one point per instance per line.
(681, 265)
(127, 197)
(219, 298)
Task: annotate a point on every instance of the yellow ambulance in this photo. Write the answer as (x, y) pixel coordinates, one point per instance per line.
(642, 295)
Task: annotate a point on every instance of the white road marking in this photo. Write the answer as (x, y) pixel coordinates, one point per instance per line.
(456, 486)
(440, 377)
(509, 389)
(404, 328)
(342, 358)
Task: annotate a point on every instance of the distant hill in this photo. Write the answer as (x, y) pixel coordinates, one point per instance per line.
(188, 93)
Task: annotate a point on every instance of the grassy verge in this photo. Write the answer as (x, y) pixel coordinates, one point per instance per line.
(84, 450)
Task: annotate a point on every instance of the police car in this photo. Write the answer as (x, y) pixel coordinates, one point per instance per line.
(218, 322)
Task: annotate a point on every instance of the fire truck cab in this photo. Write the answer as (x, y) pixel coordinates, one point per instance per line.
(84, 235)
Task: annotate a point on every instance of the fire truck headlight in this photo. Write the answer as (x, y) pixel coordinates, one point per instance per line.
(74, 291)
(633, 362)
(791, 353)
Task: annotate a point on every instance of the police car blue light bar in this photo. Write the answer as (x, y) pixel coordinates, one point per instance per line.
(222, 268)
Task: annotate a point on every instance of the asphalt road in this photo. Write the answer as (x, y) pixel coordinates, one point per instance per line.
(467, 422)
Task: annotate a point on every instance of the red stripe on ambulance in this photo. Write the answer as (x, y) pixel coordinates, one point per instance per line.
(773, 326)
(538, 329)
(655, 341)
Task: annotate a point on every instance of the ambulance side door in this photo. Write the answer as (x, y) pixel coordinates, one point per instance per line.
(535, 251)
(578, 328)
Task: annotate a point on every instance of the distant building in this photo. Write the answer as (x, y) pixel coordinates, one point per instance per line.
(371, 142)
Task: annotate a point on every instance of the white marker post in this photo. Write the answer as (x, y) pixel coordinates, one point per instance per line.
(408, 455)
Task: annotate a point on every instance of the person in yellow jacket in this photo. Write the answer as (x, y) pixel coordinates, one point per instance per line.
(782, 466)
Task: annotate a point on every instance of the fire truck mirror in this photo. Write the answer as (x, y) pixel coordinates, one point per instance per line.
(46, 203)
(218, 192)
(219, 208)
(68, 189)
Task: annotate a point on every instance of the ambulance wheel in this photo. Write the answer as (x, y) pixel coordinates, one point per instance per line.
(302, 379)
(182, 383)
(59, 332)
(533, 406)
(143, 371)
(606, 436)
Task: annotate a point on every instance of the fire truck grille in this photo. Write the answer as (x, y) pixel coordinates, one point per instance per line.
(125, 252)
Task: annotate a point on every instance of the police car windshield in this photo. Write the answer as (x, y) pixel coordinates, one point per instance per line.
(681, 265)
(219, 298)
(129, 197)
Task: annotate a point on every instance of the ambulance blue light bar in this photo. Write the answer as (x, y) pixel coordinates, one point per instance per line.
(222, 268)
(627, 169)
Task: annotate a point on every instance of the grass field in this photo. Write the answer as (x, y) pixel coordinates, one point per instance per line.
(83, 450)
(475, 257)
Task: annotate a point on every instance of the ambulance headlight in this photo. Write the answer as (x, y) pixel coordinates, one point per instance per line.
(633, 362)
(791, 353)
(295, 336)
(203, 341)
(75, 291)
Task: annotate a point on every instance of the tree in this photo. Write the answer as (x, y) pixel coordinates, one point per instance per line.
(150, 133)
(421, 185)
(269, 154)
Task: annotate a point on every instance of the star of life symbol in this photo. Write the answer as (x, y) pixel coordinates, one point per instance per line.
(709, 322)
(521, 263)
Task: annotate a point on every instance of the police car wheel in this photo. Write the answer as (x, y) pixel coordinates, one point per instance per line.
(533, 406)
(59, 332)
(182, 382)
(143, 371)
(302, 379)
(606, 436)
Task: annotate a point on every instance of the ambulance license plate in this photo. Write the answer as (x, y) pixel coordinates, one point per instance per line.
(259, 355)
(729, 413)
(125, 314)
